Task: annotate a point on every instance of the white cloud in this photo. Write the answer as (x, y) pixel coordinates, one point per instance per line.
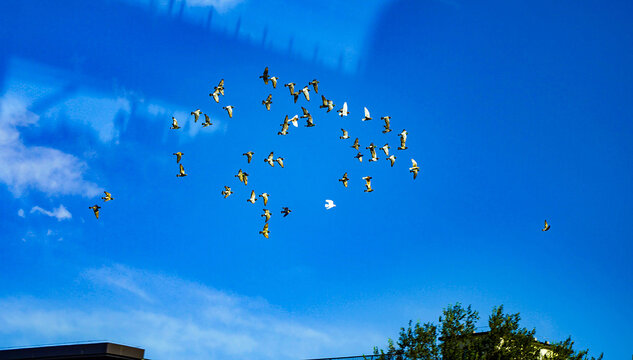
(96, 111)
(43, 168)
(60, 213)
(174, 319)
(21, 213)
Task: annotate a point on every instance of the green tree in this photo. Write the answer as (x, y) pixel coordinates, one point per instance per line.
(457, 340)
(458, 323)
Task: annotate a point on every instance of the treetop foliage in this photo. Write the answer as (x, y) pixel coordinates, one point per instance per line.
(455, 339)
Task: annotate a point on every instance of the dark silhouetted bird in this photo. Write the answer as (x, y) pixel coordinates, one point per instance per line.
(344, 179)
(249, 156)
(268, 101)
(95, 208)
(182, 172)
(265, 231)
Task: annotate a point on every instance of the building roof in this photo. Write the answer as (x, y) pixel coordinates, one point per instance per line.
(94, 351)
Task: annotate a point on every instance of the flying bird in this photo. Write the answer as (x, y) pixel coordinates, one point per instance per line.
(294, 120)
(546, 226)
(253, 198)
(274, 79)
(280, 161)
(385, 148)
(329, 104)
(387, 124)
(306, 92)
(329, 204)
(95, 208)
(403, 140)
(343, 111)
(265, 76)
(359, 156)
(285, 211)
(196, 115)
(249, 156)
(372, 150)
(264, 196)
(229, 109)
(107, 196)
(284, 127)
(368, 184)
(414, 169)
(270, 159)
(367, 117)
(309, 121)
(306, 115)
(182, 171)
(265, 231)
(267, 214)
(220, 87)
(355, 146)
(216, 95)
(268, 101)
(315, 84)
(174, 123)
(227, 191)
(392, 158)
(291, 86)
(345, 135)
(242, 176)
(344, 179)
(178, 156)
(207, 121)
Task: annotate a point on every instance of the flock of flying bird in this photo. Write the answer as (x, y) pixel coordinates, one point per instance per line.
(271, 160)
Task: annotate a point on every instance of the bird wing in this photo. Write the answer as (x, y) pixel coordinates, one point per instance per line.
(366, 113)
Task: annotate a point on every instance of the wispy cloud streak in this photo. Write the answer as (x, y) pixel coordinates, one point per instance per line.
(173, 318)
(60, 213)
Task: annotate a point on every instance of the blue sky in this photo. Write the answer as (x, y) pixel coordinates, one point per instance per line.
(516, 112)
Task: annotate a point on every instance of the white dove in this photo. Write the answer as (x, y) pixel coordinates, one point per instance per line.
(343, 111)
(329, 204)
(367, 117)
(294, 120)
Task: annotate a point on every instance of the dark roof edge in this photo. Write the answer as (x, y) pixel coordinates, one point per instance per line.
(102, 348)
